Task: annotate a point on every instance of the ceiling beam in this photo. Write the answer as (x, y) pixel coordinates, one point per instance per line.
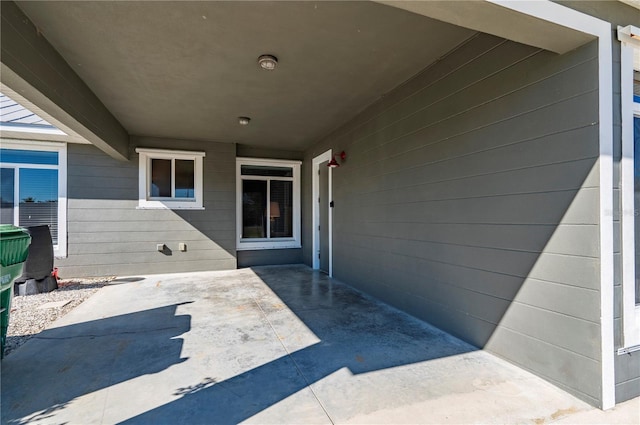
(493, 18)
(31, 67)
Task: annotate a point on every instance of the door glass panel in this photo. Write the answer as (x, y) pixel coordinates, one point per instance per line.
(185, 186)
(254, 209)
(281, 209)
(7, 189)
(161, 178)
(39, 199)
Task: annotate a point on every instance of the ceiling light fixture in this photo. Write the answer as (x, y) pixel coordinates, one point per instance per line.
(243, 120)
(268, 62)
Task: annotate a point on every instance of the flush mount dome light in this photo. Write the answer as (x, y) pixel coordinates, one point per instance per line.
(243, 120)
(268, 62)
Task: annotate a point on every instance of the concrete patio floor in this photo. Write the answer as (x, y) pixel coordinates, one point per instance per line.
(265, 345)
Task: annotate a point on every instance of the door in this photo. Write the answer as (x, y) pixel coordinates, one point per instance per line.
(323, 200)
(322, 219)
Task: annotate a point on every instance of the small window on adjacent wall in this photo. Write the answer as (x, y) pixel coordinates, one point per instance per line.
(170, 179)
(268, 209)
(630, 189)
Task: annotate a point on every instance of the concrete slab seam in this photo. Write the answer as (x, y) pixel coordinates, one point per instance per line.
(293, 360)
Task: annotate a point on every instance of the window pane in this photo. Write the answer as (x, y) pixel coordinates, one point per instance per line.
(19, 156)
(281, 209)
(636, 174)
(254, 209)
(7, 186)
(185, 187)
(39, 199)
(259, 170)
(161, 178)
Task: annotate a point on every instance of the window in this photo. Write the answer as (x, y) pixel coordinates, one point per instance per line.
(170, 179)
(268, 209)
(630, 191)
(33, 188)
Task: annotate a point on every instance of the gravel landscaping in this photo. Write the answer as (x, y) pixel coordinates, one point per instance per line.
(30, 314)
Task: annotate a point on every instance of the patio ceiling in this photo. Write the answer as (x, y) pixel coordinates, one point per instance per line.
(187, 70)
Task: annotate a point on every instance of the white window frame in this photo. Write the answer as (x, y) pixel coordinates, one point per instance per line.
(267, 243)
(629, 109)
(146, 201)
(59, 249)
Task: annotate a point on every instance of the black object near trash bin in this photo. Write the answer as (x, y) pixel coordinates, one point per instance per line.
(36, 276)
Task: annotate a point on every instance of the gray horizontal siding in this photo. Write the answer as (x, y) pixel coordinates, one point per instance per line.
(627, 376)
(220, 238)
(194, 246)
(266, 257)
(257, 152)
(108, 235)
(143, 225)
(469, 198)
(149, 267)
(521, 237)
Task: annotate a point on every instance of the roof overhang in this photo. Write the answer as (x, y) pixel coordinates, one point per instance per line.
(503, 19)
(56, 132)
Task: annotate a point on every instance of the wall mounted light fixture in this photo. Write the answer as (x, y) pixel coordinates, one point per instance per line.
(333, 163)
(244, 120)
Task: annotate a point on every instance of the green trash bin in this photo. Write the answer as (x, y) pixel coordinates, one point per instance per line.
(14, 248)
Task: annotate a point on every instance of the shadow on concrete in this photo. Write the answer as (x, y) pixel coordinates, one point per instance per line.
(355, 332)
(111, 351)
(127, 279)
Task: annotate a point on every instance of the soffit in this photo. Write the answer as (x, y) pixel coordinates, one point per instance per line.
(187, 70)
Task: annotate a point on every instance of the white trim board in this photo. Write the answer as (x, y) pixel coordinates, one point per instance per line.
(629, 109)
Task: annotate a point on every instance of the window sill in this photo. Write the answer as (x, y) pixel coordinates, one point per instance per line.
(256, 246)
(167, 207)
(628, 350)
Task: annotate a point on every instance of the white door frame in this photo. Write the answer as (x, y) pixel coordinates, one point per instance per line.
(317, 161)
(630, 109)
